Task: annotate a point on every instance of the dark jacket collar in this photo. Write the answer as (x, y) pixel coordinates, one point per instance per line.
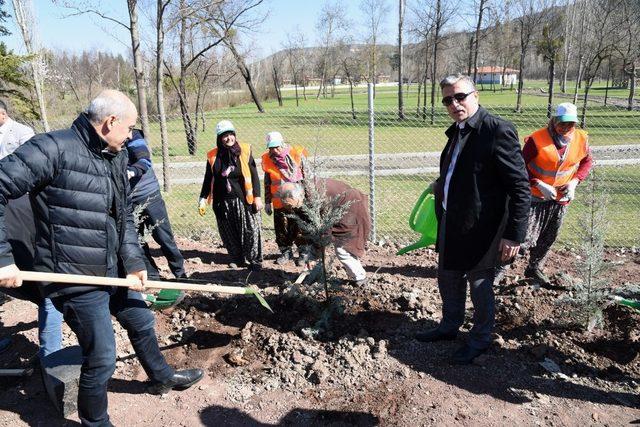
(83, 127)
(474, 122)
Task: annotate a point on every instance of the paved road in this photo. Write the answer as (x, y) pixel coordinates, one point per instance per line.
(391, 164)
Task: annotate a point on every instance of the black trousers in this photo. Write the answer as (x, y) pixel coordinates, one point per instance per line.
(154, 216)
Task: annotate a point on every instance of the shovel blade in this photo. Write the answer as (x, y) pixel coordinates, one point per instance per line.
(256, 293)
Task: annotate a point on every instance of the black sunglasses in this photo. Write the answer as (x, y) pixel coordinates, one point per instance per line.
(448, 100)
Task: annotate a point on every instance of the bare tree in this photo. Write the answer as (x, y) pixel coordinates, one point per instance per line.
(569, 24)
(294, 49)
(599, 42)
(276, 65)
(549, 47)
(244, 70)
(374, 13)
(630, 49)
(231, 18)
(331, 25)
(581, 36)
(531, 14)
(401, 8)
(482, 6)
(203, 25)
(94, 7)
(28, 28)
(161, 7)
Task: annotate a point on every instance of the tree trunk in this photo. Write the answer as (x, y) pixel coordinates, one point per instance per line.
(26, 22)
(246, 74)
(181, 89)
(470, 59)
(552, 68)
(523, 53)
(578, 80)
(583, 117)
(138, 67)
(477, 43)
(632, 86)
(400, 94)
(164, 137)
(606, 89)
(276, 83)
(568, 32)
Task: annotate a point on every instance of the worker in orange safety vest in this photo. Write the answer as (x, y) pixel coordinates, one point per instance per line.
(558, 158)
(284, 173)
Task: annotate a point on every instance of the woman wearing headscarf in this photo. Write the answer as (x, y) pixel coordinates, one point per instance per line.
(231, 184)
(283, 167)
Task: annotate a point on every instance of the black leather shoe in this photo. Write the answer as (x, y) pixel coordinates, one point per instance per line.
(536, 274)
(465, 355)
(433, 335)
(181, 380)
(285, 256)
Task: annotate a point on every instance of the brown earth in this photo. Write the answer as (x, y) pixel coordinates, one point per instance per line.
(353, 359)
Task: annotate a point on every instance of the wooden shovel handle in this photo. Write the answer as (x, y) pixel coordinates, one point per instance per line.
(80, 279)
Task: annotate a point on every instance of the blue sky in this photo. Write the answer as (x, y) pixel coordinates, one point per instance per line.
(78, 33)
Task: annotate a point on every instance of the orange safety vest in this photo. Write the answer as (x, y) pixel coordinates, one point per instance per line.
(548, 167)
(296, 153)
(245, 152)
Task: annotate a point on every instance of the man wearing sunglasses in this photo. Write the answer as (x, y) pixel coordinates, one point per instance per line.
(482, 204)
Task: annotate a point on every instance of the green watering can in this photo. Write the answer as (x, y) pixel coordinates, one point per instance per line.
(423, 220)
(165, 298)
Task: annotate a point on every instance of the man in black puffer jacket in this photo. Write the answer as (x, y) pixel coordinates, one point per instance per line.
(145, 192)
(78, 186)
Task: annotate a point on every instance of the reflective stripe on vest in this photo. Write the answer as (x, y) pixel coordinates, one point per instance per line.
(548, 167)
(245, 153)
(269, 167)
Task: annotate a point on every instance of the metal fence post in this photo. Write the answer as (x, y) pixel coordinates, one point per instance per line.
(372, 166)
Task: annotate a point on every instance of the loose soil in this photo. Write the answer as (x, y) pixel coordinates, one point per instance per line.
(352, 359)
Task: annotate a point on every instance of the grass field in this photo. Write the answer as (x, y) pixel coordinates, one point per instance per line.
(327, 127)
(396, 195)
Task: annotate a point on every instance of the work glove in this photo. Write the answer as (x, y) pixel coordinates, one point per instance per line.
(202, 207)
(268, 209)
(548, 191)
(569, 190)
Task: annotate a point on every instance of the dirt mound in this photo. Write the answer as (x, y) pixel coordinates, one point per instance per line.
(352, 359)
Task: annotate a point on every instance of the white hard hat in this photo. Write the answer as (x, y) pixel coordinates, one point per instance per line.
(274, 139)
(224, 126)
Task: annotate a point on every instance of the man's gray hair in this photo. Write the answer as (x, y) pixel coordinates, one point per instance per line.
(452, 79)
(3, 106)
(109, 103)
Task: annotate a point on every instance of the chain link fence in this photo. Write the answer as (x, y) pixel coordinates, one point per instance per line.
(406, 155)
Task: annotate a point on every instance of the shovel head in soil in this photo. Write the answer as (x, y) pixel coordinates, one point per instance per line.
(165, 298)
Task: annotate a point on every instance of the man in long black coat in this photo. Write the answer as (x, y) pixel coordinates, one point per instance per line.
(482, 203)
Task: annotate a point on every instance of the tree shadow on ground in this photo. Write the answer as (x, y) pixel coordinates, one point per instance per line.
(422, 272)
(231, 417)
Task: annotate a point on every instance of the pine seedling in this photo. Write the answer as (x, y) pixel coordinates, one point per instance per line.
(591, 295)
(318, 214)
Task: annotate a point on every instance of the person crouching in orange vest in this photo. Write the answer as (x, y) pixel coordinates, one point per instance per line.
(558, 158)
(232, 185)
(283, 166)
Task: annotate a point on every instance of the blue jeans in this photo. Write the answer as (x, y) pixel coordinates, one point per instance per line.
(49, 328)
(89, 316)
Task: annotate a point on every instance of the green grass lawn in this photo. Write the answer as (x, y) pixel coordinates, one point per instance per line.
(396, 196)
(326, 126)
